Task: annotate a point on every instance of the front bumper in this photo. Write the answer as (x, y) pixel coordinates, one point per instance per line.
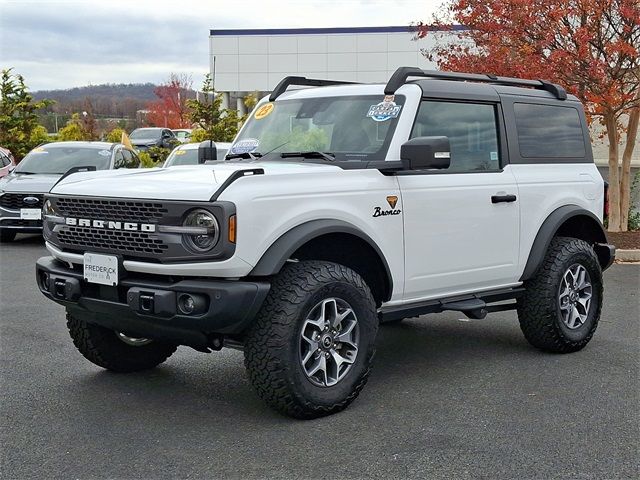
(10, 220)
(148, 306)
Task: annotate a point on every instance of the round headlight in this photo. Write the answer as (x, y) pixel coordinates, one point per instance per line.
(208, 230)
(48, 209)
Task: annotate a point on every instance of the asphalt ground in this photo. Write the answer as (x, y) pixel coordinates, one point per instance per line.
(447, 399)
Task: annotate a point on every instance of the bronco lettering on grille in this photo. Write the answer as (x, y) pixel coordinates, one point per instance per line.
(110, 225)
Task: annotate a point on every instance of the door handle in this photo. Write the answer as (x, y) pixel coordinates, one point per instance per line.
(503, 198)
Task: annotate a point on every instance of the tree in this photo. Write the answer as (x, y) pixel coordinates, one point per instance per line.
(115, 135)
(18, 119)
(219, 124)
(74, 130)
(88, 120)
(589, 46)
(171, 110)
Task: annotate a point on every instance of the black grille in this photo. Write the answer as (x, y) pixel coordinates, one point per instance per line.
(15, 201)
(102, 209)
(112, 240)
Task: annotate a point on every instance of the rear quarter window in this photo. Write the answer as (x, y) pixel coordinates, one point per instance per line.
(549, 131)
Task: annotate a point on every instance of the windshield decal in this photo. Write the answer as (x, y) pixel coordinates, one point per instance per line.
(384, 110)
(263, 111)
(246, 145)
(104, 153)
(39, 150)
(181, 152)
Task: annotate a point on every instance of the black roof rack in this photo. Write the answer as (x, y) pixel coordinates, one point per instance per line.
(400, 76)
(304, 82)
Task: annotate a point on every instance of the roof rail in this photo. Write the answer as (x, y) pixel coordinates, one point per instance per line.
(304, 82)
(400, 76)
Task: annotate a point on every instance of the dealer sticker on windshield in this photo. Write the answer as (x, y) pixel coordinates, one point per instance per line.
(246, 145)
(102, 269)
(384, 110)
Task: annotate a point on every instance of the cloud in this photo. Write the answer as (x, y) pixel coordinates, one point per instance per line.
(68, 43)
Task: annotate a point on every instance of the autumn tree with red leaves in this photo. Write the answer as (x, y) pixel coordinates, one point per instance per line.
(591, 47)
(170, 110)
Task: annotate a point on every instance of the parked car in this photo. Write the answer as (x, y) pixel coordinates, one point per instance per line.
(7, 162)
(182, 134)
(338, 207)
(144, 138)
(21, 191)
(187, 154)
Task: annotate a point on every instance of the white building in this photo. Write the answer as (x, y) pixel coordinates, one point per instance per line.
(243, 61)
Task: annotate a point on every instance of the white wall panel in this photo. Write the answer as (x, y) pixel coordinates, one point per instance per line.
(249, 82)
(252, 44)
(341, 43)
(402, 59)
(312, 44)
(252, 63)
(315, 62)
(224, 44)
(285, 63)
(282, 44)
(372, 61)
(226, 82)
(341, 62)
(371, 42)
(226, 63)
(402, 42)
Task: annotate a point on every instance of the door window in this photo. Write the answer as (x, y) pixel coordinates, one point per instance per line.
(118, 161)
(472, 131)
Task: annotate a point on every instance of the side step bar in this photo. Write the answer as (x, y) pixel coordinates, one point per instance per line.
(473, 306)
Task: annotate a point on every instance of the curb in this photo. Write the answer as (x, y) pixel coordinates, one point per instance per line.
(628, 255)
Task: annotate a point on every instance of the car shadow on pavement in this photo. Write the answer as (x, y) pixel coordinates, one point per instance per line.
(415, 354)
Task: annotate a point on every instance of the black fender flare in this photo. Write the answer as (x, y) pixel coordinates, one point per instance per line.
(281, 250)
(550, 227)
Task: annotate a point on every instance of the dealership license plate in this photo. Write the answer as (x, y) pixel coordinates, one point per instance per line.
(102, 269)
(30, 214)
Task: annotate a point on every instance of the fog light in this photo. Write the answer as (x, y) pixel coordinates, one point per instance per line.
(191, 304)
(187, 304)
(44, 280)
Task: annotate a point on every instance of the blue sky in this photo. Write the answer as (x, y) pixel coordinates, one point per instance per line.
(69, 43)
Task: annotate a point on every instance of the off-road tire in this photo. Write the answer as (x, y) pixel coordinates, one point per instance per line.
(539, 308)
(7, 236)
(102, 346)
(272, 343)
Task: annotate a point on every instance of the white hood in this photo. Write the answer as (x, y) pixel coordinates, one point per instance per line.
(191, 183)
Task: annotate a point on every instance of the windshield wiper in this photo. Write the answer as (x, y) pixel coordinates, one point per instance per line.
(246, 155)
(330, 157)
(27, 173)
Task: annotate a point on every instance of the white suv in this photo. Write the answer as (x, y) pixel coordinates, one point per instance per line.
(339, 207)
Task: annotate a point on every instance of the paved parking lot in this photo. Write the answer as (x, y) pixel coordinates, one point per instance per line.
(447, 399)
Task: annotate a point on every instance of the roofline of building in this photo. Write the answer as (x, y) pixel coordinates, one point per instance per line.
(321, 31)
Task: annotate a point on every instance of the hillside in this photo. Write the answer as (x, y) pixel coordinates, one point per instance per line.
(135, 91)
(119, 101)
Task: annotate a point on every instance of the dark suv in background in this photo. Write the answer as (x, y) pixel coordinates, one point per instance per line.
(145, 138)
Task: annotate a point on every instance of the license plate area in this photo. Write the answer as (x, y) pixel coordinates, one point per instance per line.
(30, 214)
(101, 269)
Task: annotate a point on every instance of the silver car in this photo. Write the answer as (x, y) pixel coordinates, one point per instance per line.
(21, 191)
(187, 154)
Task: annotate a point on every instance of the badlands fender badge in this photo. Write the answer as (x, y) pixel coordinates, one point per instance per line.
(392, 200)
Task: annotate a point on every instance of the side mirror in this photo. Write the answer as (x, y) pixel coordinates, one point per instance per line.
(422, 153)
(207, 151)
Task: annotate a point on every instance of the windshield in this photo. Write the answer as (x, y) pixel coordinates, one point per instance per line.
(182, 156)
(352, 128)
(58, 159)
(145, 133)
